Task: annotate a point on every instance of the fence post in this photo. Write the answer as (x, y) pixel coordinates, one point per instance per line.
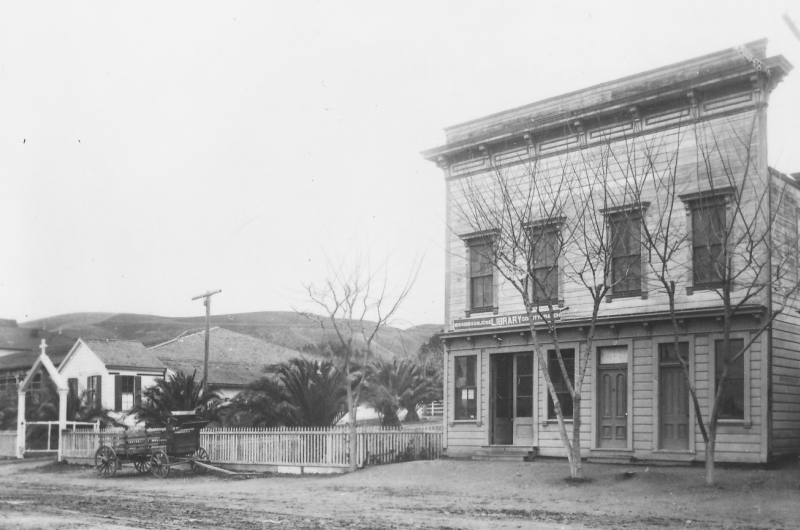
(21, 425)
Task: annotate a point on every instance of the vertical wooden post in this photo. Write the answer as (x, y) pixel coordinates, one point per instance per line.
(62, 418)
(207, 302)
(21, 425)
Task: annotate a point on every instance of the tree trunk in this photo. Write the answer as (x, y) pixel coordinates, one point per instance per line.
(575, 467)
(411, 414)
(353, 438)
(710, 447)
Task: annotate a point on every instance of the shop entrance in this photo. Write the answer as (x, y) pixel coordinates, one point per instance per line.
(512, 399)
(612, 398)
(673, 398)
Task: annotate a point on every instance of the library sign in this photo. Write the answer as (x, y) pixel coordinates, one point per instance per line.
(495, 321)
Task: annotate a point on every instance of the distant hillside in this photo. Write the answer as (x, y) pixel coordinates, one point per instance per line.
(280, 327)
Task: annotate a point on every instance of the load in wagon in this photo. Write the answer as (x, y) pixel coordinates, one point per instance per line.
(155, 451)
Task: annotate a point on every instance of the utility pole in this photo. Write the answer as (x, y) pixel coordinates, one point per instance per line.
(207, 302)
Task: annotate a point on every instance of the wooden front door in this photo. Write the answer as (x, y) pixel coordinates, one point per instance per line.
(673, 399)
(612, 398)
(502, 399)
(523, 399)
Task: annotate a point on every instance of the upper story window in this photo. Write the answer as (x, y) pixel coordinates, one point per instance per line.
(543, 266)
(626, 253)
(708, 242)
(481, 275)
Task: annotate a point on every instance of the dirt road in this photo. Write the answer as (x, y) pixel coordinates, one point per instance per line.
(429, 495)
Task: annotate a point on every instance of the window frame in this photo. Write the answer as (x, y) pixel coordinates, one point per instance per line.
(538, 233)
(615, 221)
(548, 403)
(93, 390)
(124, 380)
(720, 197)
(746, 420)
(471, 242)
(474, 357)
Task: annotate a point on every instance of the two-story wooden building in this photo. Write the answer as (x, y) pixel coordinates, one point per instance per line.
(635, 401)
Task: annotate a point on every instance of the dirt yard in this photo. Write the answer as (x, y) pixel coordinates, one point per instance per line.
(433, 495)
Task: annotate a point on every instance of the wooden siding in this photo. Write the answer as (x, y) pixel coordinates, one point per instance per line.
(737, 441)
(721, 131)
(82, 364)
(785, 369)
(786, 383)
(726, 132)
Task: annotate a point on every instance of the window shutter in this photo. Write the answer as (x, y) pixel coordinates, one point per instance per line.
(137, 390)
(118, 392)
(72, 384)
(98, 395)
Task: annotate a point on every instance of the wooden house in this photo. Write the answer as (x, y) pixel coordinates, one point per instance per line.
(634, 401)
(111, 372)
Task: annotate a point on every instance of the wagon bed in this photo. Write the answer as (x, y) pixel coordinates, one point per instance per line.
(152, 450)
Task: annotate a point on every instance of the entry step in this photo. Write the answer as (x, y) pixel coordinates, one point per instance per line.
(505, 453)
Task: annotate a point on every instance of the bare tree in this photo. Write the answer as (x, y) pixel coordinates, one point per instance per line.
(724, 237)
(533, 218)
(356, 304)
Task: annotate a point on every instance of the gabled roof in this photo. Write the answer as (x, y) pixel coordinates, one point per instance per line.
(43, 361)
(119, 354)
(235, 359)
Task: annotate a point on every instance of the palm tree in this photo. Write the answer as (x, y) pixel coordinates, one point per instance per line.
(395, 385)
(299, 392)
(178, 392)
(81, 408)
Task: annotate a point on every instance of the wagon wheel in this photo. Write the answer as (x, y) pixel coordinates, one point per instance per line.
(105, 461)
(200, 455)
(142, 466)
(159, 464)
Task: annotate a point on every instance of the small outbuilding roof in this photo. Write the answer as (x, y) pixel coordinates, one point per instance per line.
(119, 354)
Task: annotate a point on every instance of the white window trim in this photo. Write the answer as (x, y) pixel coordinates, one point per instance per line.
(478, 384)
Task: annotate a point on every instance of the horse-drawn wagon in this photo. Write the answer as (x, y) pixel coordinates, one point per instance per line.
(154, 450)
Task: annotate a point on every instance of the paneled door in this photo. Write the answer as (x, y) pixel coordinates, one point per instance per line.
(612, 398)
(673, 399)
(502, 366)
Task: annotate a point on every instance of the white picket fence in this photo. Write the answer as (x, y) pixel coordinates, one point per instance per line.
(8, 443)
(327, 447)
(435, 408)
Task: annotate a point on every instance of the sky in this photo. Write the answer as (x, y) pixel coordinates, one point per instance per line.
(151, 151)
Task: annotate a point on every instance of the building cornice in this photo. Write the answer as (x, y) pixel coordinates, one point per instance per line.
(617, 319)
(674, 83)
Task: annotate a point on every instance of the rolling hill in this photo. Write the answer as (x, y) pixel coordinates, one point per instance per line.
(285, 328)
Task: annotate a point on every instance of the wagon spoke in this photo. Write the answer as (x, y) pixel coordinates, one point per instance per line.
(105, 461)
(159, 464)
(200, 455)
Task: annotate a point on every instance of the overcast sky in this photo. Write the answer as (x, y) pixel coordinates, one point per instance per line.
(152, 151)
